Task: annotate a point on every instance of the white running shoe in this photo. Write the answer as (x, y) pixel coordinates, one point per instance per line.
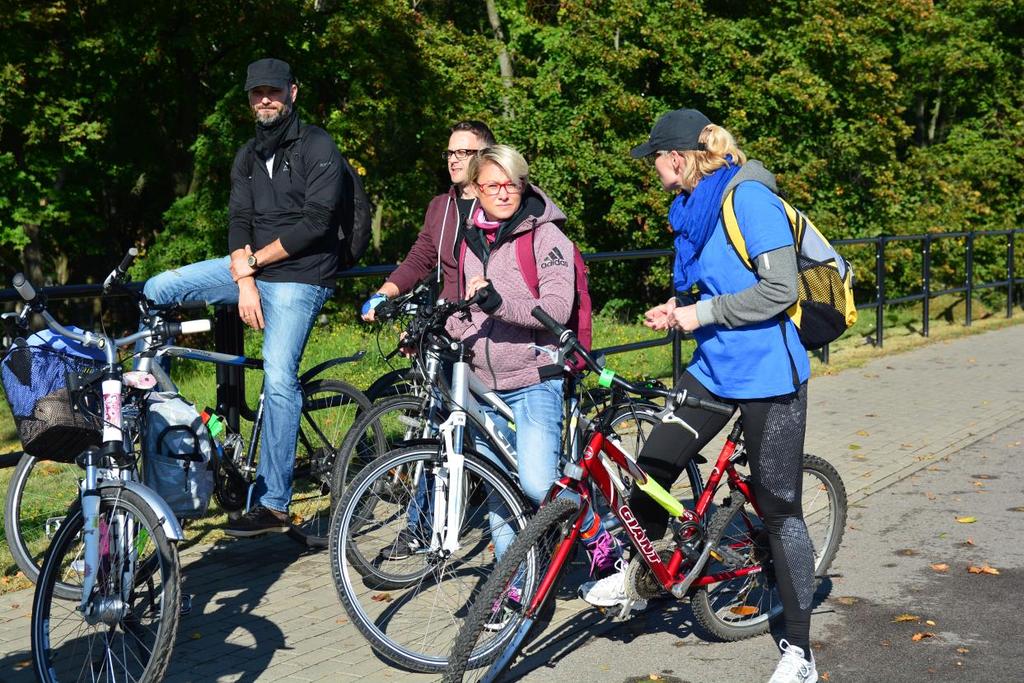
(611, 591)
(793, 668)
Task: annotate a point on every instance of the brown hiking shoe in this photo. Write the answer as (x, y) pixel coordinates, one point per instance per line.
(259, 520)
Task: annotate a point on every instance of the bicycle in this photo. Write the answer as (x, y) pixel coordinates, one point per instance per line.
(443, 492)
(117, 542)
(718, 555)
(40, 489)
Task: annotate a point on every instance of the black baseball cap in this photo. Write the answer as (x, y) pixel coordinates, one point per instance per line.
(269, 71)
(676, 130)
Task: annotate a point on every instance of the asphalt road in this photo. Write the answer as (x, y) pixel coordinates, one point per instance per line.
(883, 571)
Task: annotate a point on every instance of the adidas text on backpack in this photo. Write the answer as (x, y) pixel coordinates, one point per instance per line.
(824, 308)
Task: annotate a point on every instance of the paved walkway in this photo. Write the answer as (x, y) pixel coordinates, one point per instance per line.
(263, 611)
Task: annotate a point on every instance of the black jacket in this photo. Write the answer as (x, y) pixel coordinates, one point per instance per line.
(300, 205)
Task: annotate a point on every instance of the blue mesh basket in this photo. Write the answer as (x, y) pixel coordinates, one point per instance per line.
(54, 420)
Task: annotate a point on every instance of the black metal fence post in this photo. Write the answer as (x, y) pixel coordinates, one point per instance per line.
(970, 278)
(1009, 274)
(879, 290)
(229, 337)
(926, 270)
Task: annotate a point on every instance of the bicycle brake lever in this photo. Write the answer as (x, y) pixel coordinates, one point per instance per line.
(551, 353)
(671, 418)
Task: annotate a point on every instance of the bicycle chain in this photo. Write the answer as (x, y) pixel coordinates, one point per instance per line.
(640, 581)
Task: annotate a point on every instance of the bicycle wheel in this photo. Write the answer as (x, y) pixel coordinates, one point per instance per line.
(479, 633)
(136, 608)
(400, 382)
(388, 425)
(409, 605)
(742, 607)
(38, 497)
(329, 409)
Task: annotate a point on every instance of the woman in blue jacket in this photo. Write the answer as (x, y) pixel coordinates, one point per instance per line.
(748, 354)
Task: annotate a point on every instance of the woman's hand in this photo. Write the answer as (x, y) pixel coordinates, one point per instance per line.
(660, 317)
(685, 318)
(475, 284)
(249, 309)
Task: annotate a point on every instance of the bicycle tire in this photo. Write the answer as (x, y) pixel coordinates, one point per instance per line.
(151, 648)
(428, 580)
(32, 505)
(535, 538)
(329, 409)
(386, 426)
(746, 544)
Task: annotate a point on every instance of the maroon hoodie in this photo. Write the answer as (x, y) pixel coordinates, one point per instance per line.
(435, 243)
(500, 342)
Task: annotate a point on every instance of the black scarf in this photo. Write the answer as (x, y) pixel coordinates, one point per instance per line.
(270, 136)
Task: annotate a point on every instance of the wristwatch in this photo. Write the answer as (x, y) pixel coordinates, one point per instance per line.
(252, 262)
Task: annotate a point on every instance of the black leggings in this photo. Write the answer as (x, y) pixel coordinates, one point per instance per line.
(773, 430)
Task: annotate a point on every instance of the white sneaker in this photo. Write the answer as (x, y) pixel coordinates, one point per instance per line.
(610, 591)
(793, 668)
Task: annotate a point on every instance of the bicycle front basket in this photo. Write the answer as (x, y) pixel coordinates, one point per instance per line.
(52, 418)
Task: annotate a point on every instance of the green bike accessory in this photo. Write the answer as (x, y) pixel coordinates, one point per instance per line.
(605, 380)
(661, 496)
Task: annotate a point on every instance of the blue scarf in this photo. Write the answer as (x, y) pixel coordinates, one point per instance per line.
(693, 217)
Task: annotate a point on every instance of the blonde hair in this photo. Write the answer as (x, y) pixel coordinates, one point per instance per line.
(718, 143)
(504, 157)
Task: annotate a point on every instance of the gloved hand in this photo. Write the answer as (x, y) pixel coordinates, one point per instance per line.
(367, 310)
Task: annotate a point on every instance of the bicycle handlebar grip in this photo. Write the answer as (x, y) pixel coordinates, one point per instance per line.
(24, 287)
(127, 261)
(715, 406)
(196, 326)
(547, 321)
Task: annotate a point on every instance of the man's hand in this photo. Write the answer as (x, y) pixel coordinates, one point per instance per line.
(660, 317)
(475, 284)
(240, 265)
(249, 308)
(369, 309)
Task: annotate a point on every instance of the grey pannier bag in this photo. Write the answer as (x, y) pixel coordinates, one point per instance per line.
(178, 454)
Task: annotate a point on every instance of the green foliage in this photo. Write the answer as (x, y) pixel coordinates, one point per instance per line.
(119, 121)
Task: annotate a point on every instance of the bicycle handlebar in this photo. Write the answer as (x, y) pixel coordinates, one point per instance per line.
(117, 275)
(567, 339)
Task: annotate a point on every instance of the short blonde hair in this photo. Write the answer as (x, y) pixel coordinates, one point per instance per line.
(718, 143)
(510, 161)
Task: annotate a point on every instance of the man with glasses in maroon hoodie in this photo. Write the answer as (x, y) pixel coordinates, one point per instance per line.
(435, 247)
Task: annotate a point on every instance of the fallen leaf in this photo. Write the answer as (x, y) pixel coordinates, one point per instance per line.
(341, 620)
(24, 664)
(905, 617)
(1019, 508)
(655, 677)
(983, 569)
(15, 606)
(862, 433)
(824, 676)
(940, 567)
(967, 520)
(907, 552)
(929, 622)
(979, 483)
(969, 541)
(744, 610)
(930, 495)
(962, 650)
(906, 445)
(197, 635)
(382, 597)
(853, 447)
(921, 635)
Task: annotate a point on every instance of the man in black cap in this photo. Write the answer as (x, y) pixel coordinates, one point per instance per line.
(286, 199)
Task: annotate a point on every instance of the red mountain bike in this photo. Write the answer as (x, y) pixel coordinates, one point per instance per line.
(718, 554)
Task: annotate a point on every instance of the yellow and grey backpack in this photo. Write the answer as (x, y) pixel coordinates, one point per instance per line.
(824, 308)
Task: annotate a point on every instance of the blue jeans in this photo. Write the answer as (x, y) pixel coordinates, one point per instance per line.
(537, 410)
(289, 310)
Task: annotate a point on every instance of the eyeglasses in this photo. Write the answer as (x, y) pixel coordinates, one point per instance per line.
(460, 154)
(492, 189)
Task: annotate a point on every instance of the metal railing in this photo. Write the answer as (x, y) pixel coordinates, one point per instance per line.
(228, 330)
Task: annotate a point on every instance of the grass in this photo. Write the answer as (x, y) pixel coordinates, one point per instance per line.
(197, 381)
